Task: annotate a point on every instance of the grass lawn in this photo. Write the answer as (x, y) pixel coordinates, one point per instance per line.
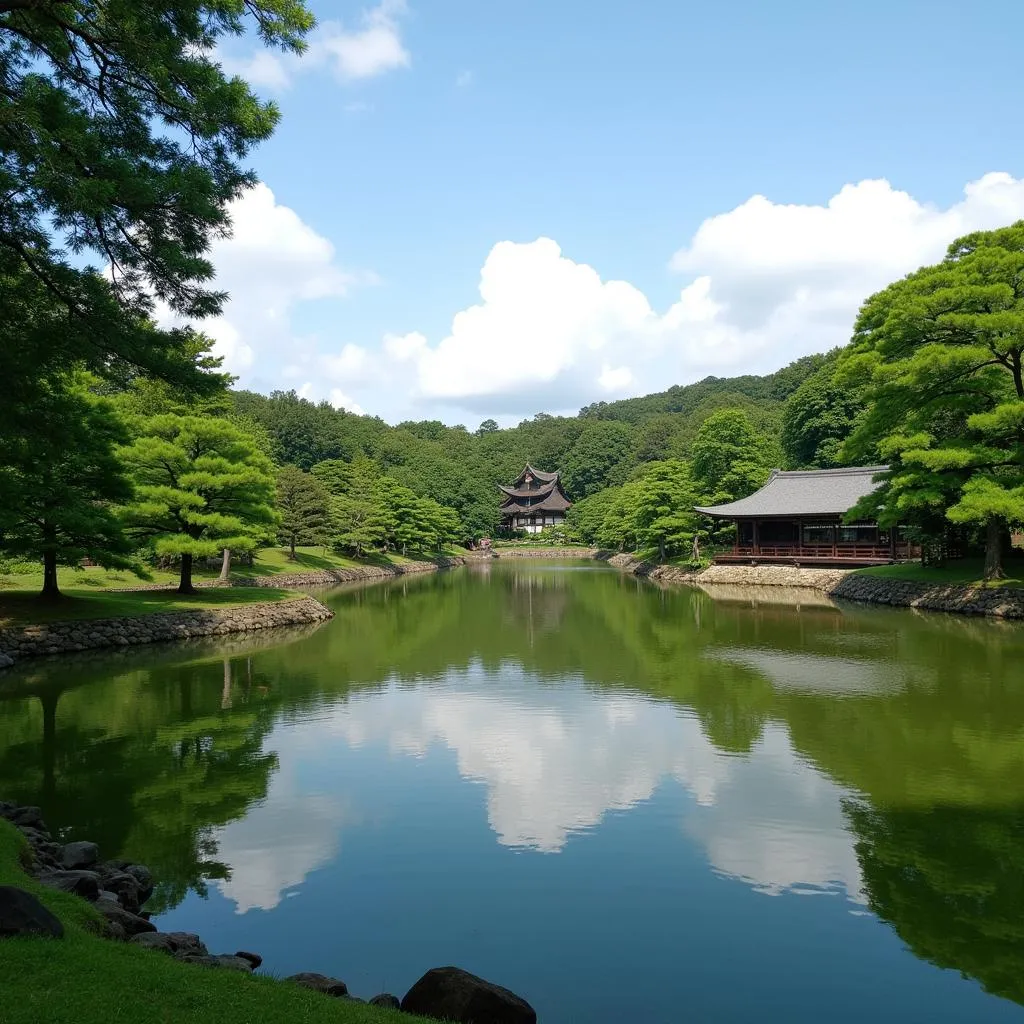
(19, 607)
(82, 979)
(969, 571)
(268, 562)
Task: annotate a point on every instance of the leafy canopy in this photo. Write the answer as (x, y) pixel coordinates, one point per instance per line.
(945, 350)
(201, 486)
(120, 142)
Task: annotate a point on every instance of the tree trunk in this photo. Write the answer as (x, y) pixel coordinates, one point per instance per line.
(291, 551)
(225, 567)
(994, 530)
(661, 549)
(50, 589)
(185, 585)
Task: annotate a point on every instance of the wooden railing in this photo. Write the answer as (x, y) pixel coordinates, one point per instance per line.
(795, 550)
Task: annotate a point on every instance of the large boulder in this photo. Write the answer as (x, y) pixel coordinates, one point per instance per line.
(6, 661)
(320, 983)
(22, 914)
(387, 1001)
(79, 855)
(254, 958)
(449, 993)
(82, 883)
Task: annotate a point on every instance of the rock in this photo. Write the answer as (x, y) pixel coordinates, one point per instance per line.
(144, 877)
(386, 1000)
(82, 883)
(113, 930)
(320, 983)
(254, 958)
(187, 942)
(79, 855)
(229, 963)
(116, 914)
(154, 940)
(6, 661)
(180, 944)
(449, 993)
(31, 817)
(126, 889)
(22, 914)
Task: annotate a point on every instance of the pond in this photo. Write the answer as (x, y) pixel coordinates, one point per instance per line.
(620, 801)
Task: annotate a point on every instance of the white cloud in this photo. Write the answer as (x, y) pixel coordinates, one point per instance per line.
(262, 68)
(556, 761)
(768, 283)
(367, 50)
(340, 400)
(364, 52)
(464, 79)
(272, 261)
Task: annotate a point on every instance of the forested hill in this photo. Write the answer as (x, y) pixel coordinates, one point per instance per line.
(605, 445)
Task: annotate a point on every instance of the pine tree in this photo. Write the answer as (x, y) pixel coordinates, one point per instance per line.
(60, 480)
(201, 486)
(303, 508)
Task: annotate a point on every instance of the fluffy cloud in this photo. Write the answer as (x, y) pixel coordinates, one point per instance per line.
(367, 50)
(768, 282)
(272, 261)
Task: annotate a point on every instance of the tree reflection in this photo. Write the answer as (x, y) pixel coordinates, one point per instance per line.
(950, 880)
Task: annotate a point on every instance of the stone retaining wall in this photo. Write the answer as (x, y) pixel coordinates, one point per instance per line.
(546, 552)
(88, 634)
(328, 577)
(1000, 602)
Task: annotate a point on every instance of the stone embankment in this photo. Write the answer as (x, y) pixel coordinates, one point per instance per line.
(545, 552)
(328, 577)
(843, 584)
(88, 634)
(119, 889)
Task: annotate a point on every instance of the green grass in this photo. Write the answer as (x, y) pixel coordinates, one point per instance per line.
(267, 562)
(21, 607)
(965, 571)
(83, 979)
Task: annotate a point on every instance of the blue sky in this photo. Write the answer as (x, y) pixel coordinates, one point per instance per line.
(478, 209)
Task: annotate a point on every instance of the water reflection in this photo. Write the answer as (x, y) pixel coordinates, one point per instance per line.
(611, 736)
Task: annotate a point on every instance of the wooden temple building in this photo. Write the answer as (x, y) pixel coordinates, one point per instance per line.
(535, 501)
(798, 518)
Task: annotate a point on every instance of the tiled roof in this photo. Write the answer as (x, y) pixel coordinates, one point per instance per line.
(806, 492)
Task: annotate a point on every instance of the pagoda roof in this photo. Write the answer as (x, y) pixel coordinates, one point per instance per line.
(529, 492)
(805, 492)
(539, 474)
(554, 501)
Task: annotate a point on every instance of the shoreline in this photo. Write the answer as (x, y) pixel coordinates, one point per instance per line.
(107, 900)
(76, 635)
(844, 585)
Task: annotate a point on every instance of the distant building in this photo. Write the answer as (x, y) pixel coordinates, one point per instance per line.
(797, 517)
(535, 501)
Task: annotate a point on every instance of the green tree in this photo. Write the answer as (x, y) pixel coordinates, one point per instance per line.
(60, 478)
(596, 458)
(945, 348)
(201, 486)
(662, 513)
(357, 523)
(487, 427)
(729, 458)
(334, 475)
(121, 141)
(302, 508)
(820, 415)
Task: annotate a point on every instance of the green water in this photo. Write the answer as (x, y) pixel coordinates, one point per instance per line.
(623, 802)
